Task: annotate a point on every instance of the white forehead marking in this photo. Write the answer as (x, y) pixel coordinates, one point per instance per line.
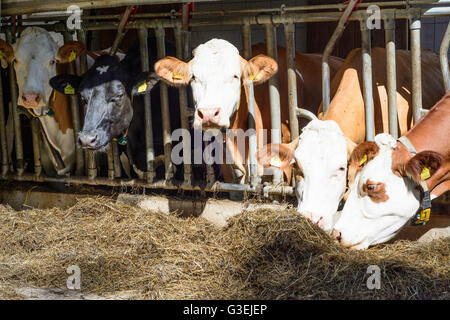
(215, 57)
(102, 69)
(385, 140)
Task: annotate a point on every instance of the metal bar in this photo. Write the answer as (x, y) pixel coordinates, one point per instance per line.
(252, 138)
(306, 114)
(120, 31)
(274, 93)
(36, 150)
(389, 27)
(3, 141)
(416, 66)
(165, 111)
(443, 56)
(89, 154)
(150, 151)
(327, 52)
(110, 157)
(289, 32)
(17, 126)
(183, 109)
(367, 79)
(76, 121)
(116, 160)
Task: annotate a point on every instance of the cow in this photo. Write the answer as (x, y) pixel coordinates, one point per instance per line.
(217, 74)
(112, 92)
(324, 168)
(391, 180)
(37, 58)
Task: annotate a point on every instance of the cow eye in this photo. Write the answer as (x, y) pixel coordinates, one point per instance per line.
(236, 76)
(116, 98)
(342, 169)
(52, 62)
(371, 187)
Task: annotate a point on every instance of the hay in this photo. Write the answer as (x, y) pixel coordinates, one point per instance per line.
(260, 255)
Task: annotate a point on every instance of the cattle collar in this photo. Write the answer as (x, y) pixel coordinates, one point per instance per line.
(50, 112)
(122, 139)
(422, 214)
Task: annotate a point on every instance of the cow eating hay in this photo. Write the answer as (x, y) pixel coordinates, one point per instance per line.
(263, 255)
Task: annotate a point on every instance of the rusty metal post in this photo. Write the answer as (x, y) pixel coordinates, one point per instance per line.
(110, 157)
(274, 92)
(150, 151)
(16, 118)
(75, 108)
(367, 79)
(289, 32)
(3, 141)
(184, 108)
(389, 27)
(416, 65)
(165, 111)
(443, 55)
(35, 123)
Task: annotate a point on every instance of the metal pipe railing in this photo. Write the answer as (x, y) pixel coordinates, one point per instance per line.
(35, 123)
(416, 65)
(389, 26)
(274, 94)
(289, 33)
(327, 52)
(367, 79)
(110, 160)
(165, 111)
(3, 141)
(16, 118)
(443, 56)
(149, 148)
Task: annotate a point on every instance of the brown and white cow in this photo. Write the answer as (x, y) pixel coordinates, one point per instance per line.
(387, 177)
(321, 152)
(36, 56)
(217, 74)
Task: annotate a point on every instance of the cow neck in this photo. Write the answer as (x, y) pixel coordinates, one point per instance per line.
(239, 119)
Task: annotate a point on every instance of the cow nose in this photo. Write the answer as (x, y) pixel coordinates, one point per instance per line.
(209, 116)
(337, 235)
(31, 99)
(88, 139)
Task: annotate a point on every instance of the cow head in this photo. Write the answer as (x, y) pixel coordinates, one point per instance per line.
(105, 90)
(385, 193)
(35, 55)
(216, 74)
(320, 155)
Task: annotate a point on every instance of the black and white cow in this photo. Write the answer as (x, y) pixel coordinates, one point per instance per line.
(112, 93)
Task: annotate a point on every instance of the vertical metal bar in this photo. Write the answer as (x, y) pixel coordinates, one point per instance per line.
(444, 58)
(36, 151)
(16, 118)
(416, 66)
(3, 142)
(165, 111)
(327, 52)
(110, 157)
(252, 138)
(274, 92)
(289, 32)
(389, 27)
(120, 30)
(75, 108)
(150, 151)
(183, 109)
(367, 79)
(89, 154)
(116, 160)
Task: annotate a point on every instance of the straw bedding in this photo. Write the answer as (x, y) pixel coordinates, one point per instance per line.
(260, 255)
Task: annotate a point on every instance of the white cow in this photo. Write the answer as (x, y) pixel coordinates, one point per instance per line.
(35, 56)
(320, 157)
(382, 199)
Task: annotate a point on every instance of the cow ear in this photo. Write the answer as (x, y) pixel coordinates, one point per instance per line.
(423, 165)
(145, 81)
(66, 83)
(70, 51)
(174, 71)
(359, 157)
(258, 69)
(6, 53)
(277, 155)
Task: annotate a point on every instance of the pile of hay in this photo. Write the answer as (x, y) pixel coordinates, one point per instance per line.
(260, 255)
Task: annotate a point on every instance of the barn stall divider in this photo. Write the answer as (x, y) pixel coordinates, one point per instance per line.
(86, 171)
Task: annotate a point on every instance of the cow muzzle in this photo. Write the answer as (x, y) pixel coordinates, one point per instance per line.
(209, 117)
(31, 100)
(88, 140)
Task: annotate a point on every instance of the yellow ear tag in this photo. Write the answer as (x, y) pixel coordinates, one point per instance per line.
(142, 87)
(425, 174)
(72, 56)
(54, 95)
(69, 89)
(363, 160)
(177, 76)
(275, 162)
(1, 54)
